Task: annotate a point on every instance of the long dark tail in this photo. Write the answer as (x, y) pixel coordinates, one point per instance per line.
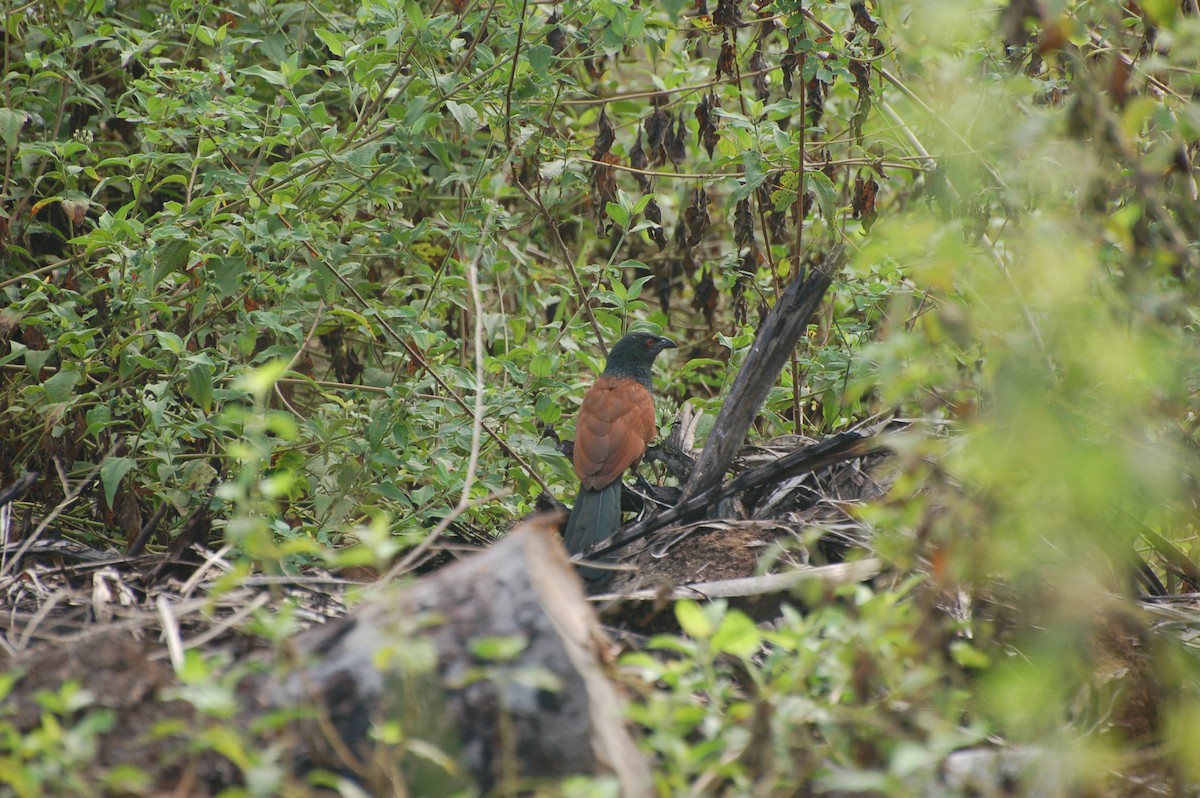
(595, 516)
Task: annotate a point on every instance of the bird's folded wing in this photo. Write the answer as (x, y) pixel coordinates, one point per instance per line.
(616, 423)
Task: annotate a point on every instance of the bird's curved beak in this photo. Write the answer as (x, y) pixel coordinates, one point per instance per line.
(667, 343)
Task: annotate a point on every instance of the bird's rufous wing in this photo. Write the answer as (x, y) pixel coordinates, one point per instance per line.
(616, 423)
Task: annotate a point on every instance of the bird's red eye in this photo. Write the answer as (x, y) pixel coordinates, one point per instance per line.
(649, 343)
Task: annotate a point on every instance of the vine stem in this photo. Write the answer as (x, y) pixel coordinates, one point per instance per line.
(512, 75)
(797, 409)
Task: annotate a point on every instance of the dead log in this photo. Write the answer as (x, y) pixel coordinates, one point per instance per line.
(494, 661)
(773, 345)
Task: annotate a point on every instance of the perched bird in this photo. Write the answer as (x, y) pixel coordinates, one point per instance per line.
(616, 423)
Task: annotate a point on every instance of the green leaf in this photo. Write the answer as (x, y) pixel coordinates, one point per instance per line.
(547, 410)
(260, 381)
(169, 341)
(737, 635)
(332, 41)
(826, 198)
(112, 471)
(10, 126)
(540, 56)
(171, 256)
(692, 620)
(200, 386)
(498, 649)
(61, 385)
(967, 656)
(35, 359)
(413, 11)
(269, 75)
(98, 418)
(617, 214)
(227, 274)
(466, 116)
(1161, 12)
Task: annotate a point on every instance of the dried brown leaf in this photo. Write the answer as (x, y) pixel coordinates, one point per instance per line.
(727, 61)
(705, 298)
(658, 126)
(604, 182)
(707, 130)
(743, 224)
(555, 36)
(728, 15)
(758, 64)
(654, 214)
(863, 204)
(605, 136)
(676, 146)
(696, 218)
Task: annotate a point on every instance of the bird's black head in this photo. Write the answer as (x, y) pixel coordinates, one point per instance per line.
(637, 349)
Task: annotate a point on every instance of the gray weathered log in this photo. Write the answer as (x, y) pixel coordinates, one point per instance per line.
(773, 345)
(416, 654)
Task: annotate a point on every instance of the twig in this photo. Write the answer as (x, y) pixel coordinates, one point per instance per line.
(18, 488)
(198, 574)
(512, 75)
(233, 620)
(39, 616)
(815, 165)
(427, 543)
(477, 416)
(837, 574)
(170, 628)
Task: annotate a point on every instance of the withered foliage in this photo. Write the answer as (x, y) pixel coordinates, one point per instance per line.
(661, 137)
(728, 15)
(658, 127)
(743, 225)
(863, 205)
(727, 61)
(604, 183)
(555, 36)
(654, 214)
(864, 20)
(637, 159)
(704, 298)
(605, 136)
(814, 101)
(861, 70)
(676, 147)
(776, 217)
(595, 65)
(758, 65)
(696, 218)
(707, 132)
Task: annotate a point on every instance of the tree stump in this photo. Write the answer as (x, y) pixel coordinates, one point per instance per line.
(494, 661)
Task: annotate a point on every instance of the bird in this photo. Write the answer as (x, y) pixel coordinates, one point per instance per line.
(615, 424)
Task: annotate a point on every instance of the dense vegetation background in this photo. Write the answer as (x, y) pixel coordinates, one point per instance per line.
(335, 271)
